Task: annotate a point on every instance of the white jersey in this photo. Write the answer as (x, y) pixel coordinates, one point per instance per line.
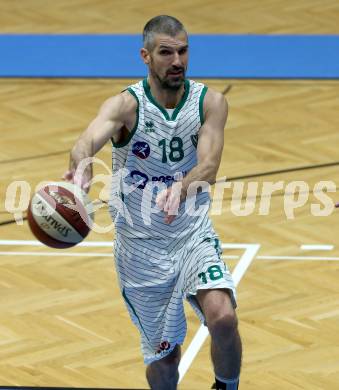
(159, 265)
(161, 148)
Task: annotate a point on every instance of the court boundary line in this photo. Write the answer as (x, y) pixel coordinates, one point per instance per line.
(38, 243)
(298, 258)
(109, 244)
(316, 247)
(105, 254)
(56, 254)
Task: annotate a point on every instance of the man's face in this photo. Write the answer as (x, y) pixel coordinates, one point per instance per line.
(168, 60)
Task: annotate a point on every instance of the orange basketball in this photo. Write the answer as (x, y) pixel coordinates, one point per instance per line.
(58, 215)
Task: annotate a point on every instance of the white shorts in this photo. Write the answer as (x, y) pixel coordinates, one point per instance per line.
(155, 276)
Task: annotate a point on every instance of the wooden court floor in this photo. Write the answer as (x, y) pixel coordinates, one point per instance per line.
(63, 321)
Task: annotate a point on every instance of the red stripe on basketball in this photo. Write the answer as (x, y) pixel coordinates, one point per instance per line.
(73, 217)
(42, 236)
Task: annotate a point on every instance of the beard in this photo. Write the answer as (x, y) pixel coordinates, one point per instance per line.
(171, 82)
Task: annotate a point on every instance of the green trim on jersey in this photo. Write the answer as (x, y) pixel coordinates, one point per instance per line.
(132, 308)
(182, 101)
(201, 105)
(161, 108)
(130, 135)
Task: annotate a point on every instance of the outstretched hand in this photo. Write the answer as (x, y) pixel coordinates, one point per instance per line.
(169, 200)
(81, 179)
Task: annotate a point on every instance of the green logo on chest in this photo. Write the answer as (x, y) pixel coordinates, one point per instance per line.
(194, 139)
(149, 127)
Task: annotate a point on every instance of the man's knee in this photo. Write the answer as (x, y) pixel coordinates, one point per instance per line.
(170, 362)
(223, 326)
(163, 374)
(173, 359)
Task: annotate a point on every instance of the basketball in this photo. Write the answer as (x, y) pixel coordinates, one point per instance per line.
(58, 215)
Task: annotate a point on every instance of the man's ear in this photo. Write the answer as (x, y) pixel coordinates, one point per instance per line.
(145, 55)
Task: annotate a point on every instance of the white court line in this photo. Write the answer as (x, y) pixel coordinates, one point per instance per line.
(38, 243)
(316, 247)
(62, 253)
(69, 322)
(301, 258)
(202, 333)
(298, 258)
(58, 254)
(103, 244)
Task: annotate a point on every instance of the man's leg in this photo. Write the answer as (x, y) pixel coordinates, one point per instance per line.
(163, 374)
(222, 324)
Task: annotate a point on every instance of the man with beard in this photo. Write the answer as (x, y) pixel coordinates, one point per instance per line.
(167, 132)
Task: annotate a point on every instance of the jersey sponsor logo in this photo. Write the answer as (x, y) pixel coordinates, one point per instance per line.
(149, 127)
(194, 139)
(141, 149)
(163, 178)
(163, 346)
(140, 179)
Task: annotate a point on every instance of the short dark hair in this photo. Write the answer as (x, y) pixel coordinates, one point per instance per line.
(162, 24)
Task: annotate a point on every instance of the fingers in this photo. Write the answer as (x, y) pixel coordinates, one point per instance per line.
(81, 181)
(171, 207)
(172, 204)
(168, 201)
(161, 199)
(169, 218)
(68, 176)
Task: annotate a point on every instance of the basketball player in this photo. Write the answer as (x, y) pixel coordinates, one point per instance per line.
(168, 133)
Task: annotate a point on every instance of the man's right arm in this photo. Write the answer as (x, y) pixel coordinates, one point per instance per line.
(115, 113)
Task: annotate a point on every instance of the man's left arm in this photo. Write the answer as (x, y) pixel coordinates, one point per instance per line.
(209, 152)
(210, 142)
